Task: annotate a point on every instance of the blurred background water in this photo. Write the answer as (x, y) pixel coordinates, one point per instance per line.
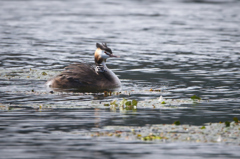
(183, 47)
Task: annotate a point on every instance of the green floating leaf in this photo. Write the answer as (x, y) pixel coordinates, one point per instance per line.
(235, 119)
(203, 127)
(163, 102)
(106, 105)
(194, 97)
(176, 122)
(44, 73)
(227, 123)
(134, 102)
(128, 103)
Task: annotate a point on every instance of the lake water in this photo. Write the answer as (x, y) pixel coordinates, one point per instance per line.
(181, 47)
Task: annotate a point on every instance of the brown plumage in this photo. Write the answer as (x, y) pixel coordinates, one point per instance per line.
(84, 76)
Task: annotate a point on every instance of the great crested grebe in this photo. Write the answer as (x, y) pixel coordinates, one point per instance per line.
(85, 76)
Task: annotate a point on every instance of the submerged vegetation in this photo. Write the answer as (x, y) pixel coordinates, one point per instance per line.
(208, 133)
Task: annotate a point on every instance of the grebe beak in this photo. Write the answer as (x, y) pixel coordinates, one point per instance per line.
(111, 55)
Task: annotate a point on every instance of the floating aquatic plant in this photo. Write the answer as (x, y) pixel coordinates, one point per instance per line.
(106, 93)
(134, 102)
(114, 103)
(227, 123)
(151, 137)
(176, 122)
(194, 97)
(171, 133)
(155, 90)
(124, 103)
(44, 73)
(235, 119)
(163, 102)
(129, 105)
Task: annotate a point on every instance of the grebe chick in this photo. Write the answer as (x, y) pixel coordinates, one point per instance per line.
(84, 76)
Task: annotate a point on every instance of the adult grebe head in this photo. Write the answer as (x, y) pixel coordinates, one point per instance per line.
(102, 53)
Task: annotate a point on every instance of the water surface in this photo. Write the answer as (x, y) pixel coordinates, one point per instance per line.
(182, 48)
